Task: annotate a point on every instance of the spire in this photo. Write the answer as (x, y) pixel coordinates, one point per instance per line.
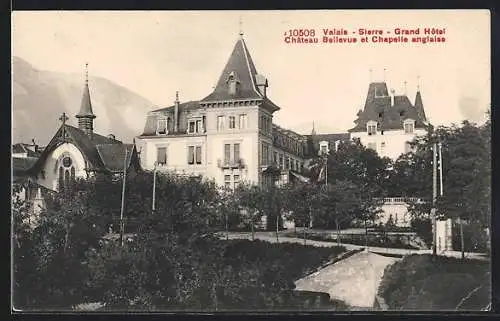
(241, 27)
(86, 116)
(313, 131)
(240, 66)
(419, 106)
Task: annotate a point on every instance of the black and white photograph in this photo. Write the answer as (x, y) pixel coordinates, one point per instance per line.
(251, 161)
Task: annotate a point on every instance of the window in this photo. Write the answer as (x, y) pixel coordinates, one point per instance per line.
(169, 125)
(227, 153)
(236, 151)
(194, 155)
(408, 126)
(282, 162)
(198, 154)
(161, 156)
(371, 128)
(288, 163)
(195, 126)
(190, 155)
(243, 121)
(275, 158)
(264, 154)
(372, 146)
(161, 126)
(382, 148)
(220, 122)
(236, 180)
(227, 181)
(297, 168)
(67, 172)
(192, 125)
(234, 157)
(232, 122)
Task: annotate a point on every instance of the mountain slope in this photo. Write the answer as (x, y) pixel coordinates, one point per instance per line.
(40, 97)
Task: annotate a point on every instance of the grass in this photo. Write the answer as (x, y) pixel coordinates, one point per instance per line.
(420, 282)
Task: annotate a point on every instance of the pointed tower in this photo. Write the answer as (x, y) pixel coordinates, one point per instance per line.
(419, 106)
(86, 116)
(239, 78)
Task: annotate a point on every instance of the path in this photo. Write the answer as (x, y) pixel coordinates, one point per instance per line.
(271, 237)
(354, 280)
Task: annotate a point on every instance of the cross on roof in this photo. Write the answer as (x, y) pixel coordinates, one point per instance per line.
(241, 26)
(63, 119)
(418, 83)
(87, 72)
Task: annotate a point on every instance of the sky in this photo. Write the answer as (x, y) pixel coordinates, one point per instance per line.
(156, 53)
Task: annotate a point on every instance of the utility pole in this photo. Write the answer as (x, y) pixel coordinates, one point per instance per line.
(434, 196)
(153, 207)
(122, 225)
(440, 145)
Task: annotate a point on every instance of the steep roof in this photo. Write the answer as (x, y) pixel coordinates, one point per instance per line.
(379, 108)
(241, 64)
(419, 106)
(86, 104)
(188, 105)
(100, 151)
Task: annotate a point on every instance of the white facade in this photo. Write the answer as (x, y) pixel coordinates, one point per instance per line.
(392, 143)
(254, 147)
(55, 161)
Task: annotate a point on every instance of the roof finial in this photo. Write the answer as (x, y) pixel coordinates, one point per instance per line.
(86, 72)
(384, 74)
(177, 95)
(313, 131)
(405, 86)
(241, 27)
(418, 82)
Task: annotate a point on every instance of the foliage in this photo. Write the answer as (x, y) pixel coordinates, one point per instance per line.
(419, 282)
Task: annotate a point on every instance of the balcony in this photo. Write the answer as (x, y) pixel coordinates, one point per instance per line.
(232, 164)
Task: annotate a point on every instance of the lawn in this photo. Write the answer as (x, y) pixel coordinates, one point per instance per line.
(419, 282)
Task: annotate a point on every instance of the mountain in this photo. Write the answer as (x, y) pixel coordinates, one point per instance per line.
(40, 97)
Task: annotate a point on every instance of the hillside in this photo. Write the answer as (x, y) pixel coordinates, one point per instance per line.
(40, 97)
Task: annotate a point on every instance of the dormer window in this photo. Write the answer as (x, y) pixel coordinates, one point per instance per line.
(233, 83)
(371, 128)
(195, 126)
(409, 126)
(161, 126)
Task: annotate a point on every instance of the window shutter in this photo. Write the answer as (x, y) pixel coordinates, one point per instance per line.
(227, 153)
(236, 152)
(190, 154)
(198, 154)
(161, 157)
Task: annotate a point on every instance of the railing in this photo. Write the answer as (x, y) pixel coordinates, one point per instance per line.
(401, 200)
(231, 164)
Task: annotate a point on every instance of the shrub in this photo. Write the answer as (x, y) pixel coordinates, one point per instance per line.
(419, 282)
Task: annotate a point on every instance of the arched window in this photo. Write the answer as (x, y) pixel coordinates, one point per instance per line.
(67, 172)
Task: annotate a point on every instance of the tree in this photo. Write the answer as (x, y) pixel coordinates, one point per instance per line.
(250, 198)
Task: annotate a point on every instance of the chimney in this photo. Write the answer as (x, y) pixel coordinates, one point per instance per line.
(392, 97)
(176, 112)
(262, 84)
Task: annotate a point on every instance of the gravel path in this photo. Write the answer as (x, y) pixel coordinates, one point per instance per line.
(354, 280)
